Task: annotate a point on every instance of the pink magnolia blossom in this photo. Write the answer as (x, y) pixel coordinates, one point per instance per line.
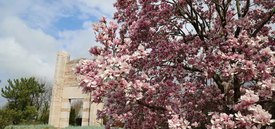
(184, 64)
(222, 121)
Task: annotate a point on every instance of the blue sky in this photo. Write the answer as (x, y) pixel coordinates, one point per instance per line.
(33, 31)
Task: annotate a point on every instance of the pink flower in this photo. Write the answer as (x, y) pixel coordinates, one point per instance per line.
(169, 61)
(178, 123)
(103, 19)
(222, 120)
(267, 51)
(249, 97)
(95, 51)
(260, 116)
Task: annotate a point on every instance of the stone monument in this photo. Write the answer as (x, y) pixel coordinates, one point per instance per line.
(65, 88)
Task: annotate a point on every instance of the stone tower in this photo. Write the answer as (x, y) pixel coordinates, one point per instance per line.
(64, 89)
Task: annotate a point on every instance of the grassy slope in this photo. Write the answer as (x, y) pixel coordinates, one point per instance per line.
(50, 127)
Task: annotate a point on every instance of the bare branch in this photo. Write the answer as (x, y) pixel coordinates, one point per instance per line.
(237, 86)
(238, 8)
(193, 17)
(263, 22)
(220, 11)
(192, 69)
(152, 107)
(246, 8)
(218, 81)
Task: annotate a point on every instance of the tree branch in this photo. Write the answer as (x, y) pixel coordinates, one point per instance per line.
(261, 102)
(263, 22)
(237, 86)
(152, 107)
(220, 13)
(218, 81)
(192, 17)
(192, 69)
(238, 8)
(246, 8)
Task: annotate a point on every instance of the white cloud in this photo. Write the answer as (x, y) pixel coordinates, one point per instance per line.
(12, 7)
(26, 49)
(96, 7)
(43, 13)
(16, 60)
(78, 42)
(25, 52)
(33, 40)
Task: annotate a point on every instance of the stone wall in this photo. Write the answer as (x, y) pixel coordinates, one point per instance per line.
(66, 88)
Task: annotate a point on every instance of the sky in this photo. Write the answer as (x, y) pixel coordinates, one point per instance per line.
(33, 31)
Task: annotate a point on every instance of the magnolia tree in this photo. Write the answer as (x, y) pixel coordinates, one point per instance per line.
(184, 64)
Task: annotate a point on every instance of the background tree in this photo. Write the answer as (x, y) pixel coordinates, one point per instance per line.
(185, 64)
(72, 117)
(6, 117)
(44, 110)
(76, 112)
(26, 97)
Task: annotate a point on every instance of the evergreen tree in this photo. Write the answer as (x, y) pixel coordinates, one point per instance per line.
(24, 96)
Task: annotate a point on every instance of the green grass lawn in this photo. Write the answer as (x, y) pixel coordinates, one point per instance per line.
(50, 127)
(85, 127)
(29, 127)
